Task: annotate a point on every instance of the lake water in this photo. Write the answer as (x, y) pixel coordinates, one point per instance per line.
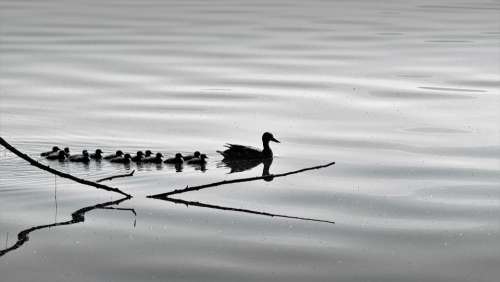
(402, 95)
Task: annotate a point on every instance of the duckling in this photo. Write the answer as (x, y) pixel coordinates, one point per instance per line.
(139, 157)
(201, 160)
(55, 155)
(240, 152)
(61, 156)
(189, 157)
(156, 159)
(97, 155)
(83, 158)
(177, 160)
(123, 159)
(55, 149)
(118, 153)
(148, 154)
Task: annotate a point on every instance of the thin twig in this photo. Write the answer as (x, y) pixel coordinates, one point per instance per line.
(115, 176)
(59, 173)
(203, 205)
(225, 182)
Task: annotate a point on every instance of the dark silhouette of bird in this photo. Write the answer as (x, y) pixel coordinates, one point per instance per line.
(178, 159)
(123, 159)
(55, 149)
(118, 153)
(97, 155)
(240, 152)
(81, 158)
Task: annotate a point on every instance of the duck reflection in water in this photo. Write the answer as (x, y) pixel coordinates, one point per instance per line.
(243, 165)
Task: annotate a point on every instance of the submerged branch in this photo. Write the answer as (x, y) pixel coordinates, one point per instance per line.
(76, 217)
(203, 205)
(59, 173)
(225, 182)
(115, 176)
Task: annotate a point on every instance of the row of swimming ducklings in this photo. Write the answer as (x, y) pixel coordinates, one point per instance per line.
(119, 157)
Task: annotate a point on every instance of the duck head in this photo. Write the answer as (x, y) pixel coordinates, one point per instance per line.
(197, 154)
(55, 149)
(203, 156)
(66, 151)
(148, 153)
(119, 153)
(266, 137)
(98, 152)
(140, 153)
(85, 153)
(127, 156)
(159, 155)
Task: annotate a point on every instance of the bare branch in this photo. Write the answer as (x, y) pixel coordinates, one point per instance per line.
(59, 173)
(225, 182)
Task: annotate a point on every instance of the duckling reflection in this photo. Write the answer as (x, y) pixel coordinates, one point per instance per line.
(178, 167)
(159, 166)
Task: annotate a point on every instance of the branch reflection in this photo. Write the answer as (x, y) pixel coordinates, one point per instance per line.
(203, 205)
(76, 217)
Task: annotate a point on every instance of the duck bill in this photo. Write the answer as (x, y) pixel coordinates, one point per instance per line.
(274, 140)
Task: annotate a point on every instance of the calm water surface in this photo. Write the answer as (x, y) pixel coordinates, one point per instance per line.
(402, 95)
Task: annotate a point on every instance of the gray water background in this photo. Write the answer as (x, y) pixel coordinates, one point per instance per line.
(402, 95)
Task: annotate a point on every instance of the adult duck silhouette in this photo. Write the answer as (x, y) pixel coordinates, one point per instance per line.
(240, 152)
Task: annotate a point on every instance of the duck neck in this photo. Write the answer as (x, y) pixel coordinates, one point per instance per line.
(267, 149)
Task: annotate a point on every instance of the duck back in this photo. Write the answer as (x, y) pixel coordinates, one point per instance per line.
(235, 151)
